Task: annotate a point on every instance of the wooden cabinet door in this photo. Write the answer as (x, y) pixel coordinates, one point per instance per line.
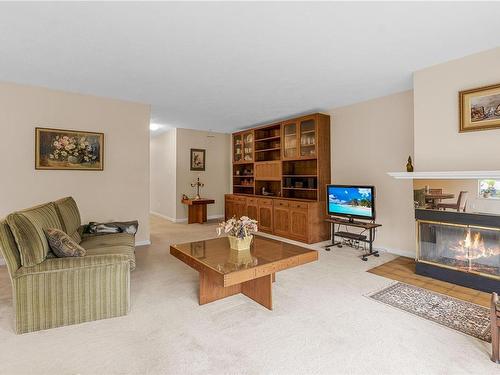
(240, 209)
(298, 224)
(281, 221)
(265, 207)
(289, 140)
(252, 209)
(308, 138)
(248, 146)
(228, 208)
(238, 148)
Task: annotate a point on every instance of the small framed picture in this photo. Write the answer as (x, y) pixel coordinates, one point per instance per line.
(480, 108)
(197, 159)
(69, 150)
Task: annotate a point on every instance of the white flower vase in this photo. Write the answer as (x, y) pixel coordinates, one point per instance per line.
(240, 244)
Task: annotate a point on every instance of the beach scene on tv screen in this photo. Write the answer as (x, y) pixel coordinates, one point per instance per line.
(350, 201)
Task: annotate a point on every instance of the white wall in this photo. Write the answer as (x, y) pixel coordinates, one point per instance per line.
(438, 144)
(370, 139)
(216, 176)
(120, 192)
(163, 174)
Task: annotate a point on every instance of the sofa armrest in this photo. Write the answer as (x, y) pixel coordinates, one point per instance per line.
(71, 263)
(63, 291)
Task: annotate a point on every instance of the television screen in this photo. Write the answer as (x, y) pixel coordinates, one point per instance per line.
(351, 201)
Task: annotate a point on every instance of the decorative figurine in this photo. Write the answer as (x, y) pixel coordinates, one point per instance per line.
(198, 184)
(409, 165)
(185, 197)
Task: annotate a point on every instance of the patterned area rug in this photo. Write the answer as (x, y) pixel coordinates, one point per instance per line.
(463, 316)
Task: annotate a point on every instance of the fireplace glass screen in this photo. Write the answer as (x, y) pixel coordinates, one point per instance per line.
(465, 248)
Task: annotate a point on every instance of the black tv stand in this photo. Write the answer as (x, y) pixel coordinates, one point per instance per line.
(360, 237)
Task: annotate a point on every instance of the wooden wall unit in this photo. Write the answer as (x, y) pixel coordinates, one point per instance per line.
(291, 160)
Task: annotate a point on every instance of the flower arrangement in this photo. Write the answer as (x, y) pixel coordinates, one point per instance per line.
(240, 228)
(73, 149)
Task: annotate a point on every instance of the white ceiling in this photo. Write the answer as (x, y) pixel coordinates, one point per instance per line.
(224, 66)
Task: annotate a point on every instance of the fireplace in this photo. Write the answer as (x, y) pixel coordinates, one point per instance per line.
(460, 248)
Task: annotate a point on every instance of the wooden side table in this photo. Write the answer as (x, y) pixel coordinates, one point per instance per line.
(197, 209)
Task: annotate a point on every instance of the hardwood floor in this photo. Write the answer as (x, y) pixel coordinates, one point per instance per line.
(403, 269)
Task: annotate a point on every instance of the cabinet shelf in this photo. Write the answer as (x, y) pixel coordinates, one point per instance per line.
(269, 149)
(294, 188)
(300, 175)
(268, 138)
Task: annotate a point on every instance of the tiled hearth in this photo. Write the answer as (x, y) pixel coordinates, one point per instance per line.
(403, 269)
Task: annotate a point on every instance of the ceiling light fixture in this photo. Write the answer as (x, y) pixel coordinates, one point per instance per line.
(154, 127)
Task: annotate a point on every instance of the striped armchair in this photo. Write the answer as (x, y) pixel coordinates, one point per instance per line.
(50, 292)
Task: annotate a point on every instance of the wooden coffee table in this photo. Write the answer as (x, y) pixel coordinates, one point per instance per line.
(225, 272)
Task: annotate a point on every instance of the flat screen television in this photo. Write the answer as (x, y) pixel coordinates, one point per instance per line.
(351, 201)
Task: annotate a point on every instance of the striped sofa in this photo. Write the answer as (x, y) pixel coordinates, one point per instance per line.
(51, 292)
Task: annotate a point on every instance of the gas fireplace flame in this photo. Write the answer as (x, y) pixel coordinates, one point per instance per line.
(472, 247)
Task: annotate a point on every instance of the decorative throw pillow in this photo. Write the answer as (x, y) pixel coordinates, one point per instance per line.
(62, 245)
(129, 227)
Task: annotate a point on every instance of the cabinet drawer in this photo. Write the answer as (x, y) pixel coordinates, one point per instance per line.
(265, 202)
(300, 205)
(252, 200)
(280, 203)
(239, 199)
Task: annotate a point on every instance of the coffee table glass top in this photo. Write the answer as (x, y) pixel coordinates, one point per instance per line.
(216, 253)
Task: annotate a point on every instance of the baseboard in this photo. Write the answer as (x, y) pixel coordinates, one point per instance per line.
(162, 216)
(408, 254)
(143, 243)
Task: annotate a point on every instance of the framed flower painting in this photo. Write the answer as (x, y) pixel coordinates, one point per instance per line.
(68, 149)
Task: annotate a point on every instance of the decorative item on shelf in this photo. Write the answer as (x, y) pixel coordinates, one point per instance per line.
(299, 184)
(409, 165)
(197, 184)
(265, 192)
(237, 173)
(68, 149)
(185, 197)
(197, 159)
(480, 108)
(239, 232)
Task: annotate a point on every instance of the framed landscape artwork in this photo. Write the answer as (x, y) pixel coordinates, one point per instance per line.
(197, 159)
(68, 150)
(480, 108)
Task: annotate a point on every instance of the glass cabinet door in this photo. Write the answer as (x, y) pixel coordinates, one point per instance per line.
(248, 147)
(290, 148)
(307, 138)
(237, 147)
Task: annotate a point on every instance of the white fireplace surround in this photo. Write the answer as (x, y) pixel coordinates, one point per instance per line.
(447, 175)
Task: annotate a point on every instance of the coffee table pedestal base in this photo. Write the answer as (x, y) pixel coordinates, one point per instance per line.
(257, 289)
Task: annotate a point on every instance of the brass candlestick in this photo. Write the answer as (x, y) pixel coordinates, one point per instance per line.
(198, 184)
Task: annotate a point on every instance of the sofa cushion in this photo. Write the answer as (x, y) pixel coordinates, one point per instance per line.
(28, 227)
(71, 263)
(111, 250)
(69, 215)
(63, 245)
(111, 239)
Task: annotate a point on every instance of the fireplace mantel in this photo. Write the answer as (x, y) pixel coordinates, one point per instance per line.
(447, 175)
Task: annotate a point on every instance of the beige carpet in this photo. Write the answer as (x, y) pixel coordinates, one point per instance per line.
(321, 324)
